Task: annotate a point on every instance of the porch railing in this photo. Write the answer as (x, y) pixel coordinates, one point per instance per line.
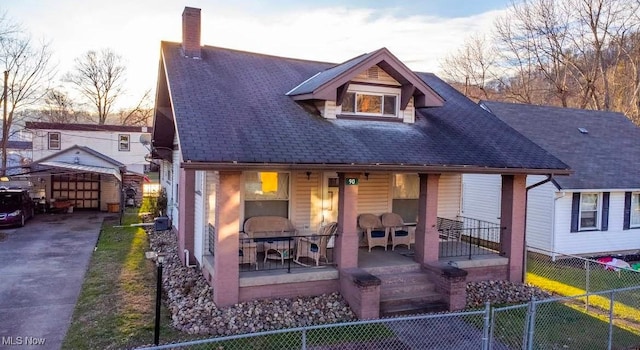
(468, 237)
(288, 252)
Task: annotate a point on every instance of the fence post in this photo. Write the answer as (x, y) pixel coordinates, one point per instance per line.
(586, 284)
(531, 322)
(485, 329)
(304, 339)
(611, 303)
(491, 328)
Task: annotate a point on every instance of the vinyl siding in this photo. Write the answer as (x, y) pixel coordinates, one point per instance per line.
(374, 194)
(109, 192)
(198, 218)
(174, 198)
(540, 204)
(409, 113)
(212, 181)
(449, 192)
(481, 197)
(615, 239)
(306, 204)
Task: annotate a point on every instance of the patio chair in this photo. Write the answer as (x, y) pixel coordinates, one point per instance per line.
(374, 231)
(395, 227)
(315, 247)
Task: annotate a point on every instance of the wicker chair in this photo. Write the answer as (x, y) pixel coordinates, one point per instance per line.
(374, 231)
(315, 247)
(395, 227)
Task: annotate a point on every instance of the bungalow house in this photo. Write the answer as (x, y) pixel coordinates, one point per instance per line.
(597, 209)
(244, 135)
(88, 165)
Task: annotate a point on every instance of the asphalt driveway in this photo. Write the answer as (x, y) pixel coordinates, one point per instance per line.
(42, 266)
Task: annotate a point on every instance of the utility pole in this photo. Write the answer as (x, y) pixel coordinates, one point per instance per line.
(4, 124)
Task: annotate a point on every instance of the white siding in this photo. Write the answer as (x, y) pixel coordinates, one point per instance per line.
(172, 205)
(328, 109)
(198, 225)
(374, 194)
(540, 207)
(409, 113)
(449, 193)
(615, 239)
(212, 181)
(481, 197)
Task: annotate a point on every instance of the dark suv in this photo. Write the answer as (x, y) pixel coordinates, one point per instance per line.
(16, 207)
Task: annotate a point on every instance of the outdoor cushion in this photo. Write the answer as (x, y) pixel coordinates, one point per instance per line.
(377, 234)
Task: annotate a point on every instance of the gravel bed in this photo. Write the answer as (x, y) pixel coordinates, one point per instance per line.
(189, 298)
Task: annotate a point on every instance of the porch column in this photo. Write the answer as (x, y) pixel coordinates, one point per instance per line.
(226, 272)
(512, 221)
(427, 240)
(186, 203)
(347, 241)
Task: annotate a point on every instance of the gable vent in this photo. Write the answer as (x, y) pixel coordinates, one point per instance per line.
(372, 73)
(583, 130)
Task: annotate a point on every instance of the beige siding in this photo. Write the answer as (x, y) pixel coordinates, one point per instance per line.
(306, 203)
(374, 194)
(328, 109)
(409, 113)
(109, 192)
(212, 182)
(368, 76)
(449, 193)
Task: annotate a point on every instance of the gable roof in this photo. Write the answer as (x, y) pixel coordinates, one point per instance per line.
(230, 110)
(607, 157)
(323, 85)
(81, 159)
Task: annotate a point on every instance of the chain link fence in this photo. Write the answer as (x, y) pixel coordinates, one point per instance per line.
(557, 323)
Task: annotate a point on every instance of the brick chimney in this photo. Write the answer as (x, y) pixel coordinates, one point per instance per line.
(191, 32)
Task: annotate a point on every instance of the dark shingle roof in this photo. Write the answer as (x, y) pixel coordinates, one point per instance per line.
(607, 157)
(231, 106)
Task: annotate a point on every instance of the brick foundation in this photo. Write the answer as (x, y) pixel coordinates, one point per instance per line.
(451, 282)
(361, 291)
(289, 290)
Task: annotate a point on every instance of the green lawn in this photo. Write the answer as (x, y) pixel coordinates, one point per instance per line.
(116, 306)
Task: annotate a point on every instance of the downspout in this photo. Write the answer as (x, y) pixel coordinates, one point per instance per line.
(526, 209)
(186, 258)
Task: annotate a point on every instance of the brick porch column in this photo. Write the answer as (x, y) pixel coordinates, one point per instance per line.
(512, 220)
(347, 241)
(226, 272)
(427, 240)
(186, 203)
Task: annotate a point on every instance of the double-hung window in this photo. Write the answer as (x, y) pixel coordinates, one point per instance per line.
(53, 139)
(589, 211)
(266, 193)
(123, 142)
(634, 214)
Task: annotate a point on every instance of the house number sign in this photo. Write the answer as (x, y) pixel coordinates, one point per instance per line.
(350, 181)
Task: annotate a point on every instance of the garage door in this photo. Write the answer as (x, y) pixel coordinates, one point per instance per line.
(82, 189)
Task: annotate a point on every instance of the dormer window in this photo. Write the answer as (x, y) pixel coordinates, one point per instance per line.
(372, 101)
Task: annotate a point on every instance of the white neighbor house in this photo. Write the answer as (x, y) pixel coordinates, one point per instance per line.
(88, 164)
(596, 210)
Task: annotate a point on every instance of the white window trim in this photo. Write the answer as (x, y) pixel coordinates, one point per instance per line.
(598, 213)
(631, 213)
(120, 142)
(49, 134)
(376, 91)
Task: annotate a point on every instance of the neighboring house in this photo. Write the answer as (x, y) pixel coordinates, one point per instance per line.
(594, 211)
(88, 164)
(19, 154)
(243, 135)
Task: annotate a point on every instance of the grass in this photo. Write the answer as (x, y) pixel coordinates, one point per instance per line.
(116, 306)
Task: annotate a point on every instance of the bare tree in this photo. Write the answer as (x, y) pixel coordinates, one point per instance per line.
(99, 77)
(473, 64)
(28, 74)
(139, 115)
(59, 107)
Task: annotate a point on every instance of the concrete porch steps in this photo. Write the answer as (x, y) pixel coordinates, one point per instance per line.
(406, 292)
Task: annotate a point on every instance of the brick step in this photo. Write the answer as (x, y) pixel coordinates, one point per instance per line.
(425, 296)
(413, 308)
(406, 291)
(393, 269)
(403, 278)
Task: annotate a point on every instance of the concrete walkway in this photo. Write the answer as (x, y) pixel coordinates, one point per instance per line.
(42, 267)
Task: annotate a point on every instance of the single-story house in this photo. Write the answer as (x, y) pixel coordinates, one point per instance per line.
(596, 210)
(296, 145)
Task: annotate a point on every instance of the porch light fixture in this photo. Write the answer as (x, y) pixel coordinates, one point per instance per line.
(366, 175)
(308, 175)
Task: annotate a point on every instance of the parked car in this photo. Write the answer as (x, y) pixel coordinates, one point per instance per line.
(16, 207)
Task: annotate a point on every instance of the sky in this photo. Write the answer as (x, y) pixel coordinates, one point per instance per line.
(420, 32)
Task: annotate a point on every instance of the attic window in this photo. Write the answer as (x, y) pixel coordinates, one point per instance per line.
(583, 130)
